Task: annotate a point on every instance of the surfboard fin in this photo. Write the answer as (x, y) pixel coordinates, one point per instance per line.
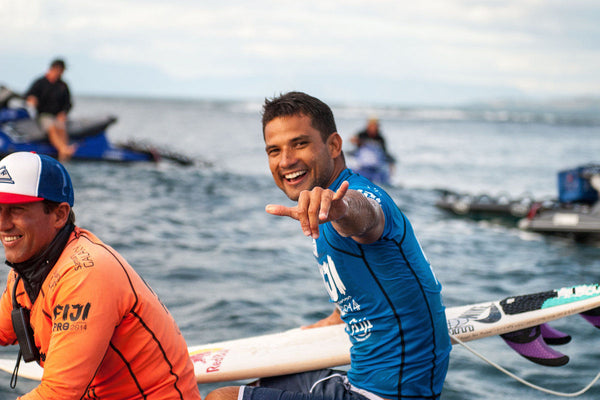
(592, 316)
(553, 336)
(530, 344)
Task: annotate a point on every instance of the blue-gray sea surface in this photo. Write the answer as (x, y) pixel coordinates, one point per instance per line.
(201, 238)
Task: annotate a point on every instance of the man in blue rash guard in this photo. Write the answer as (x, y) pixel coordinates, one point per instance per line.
(371, 262)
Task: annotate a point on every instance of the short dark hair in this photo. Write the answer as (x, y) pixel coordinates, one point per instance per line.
(58, 62)
(50, 205)
(298, 103)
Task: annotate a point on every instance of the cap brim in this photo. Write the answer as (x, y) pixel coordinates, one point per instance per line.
(11, 198)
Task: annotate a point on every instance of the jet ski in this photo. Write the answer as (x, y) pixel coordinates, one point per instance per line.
(485, 206)
(577, 214)
(20, 132)
(370, 161)
(579, 221)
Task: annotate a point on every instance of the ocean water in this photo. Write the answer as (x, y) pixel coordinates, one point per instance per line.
(226, 269)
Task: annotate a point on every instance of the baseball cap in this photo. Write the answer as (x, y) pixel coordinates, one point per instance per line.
(29, 177)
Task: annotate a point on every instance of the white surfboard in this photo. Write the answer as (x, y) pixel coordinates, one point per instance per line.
(300, 350)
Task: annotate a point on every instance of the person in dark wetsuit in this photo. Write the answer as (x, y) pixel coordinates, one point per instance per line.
(371, 262)
(50, 97)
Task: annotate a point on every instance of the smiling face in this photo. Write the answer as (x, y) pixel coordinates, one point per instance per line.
(26, 230)
(298, 158)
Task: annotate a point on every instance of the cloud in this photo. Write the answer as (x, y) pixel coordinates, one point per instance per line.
(537, 47)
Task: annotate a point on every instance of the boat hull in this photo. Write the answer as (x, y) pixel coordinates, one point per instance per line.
(581, 222)
(484, 206)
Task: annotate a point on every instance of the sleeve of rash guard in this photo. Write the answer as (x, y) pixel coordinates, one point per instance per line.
(92, 303)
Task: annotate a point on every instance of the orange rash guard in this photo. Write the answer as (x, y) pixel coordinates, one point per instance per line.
(101, 331)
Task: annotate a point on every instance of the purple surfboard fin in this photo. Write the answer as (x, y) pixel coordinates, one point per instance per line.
(592, 316)
(530, 344)
(553, 336)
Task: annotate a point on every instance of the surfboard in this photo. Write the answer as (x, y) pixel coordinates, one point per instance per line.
(298, 350)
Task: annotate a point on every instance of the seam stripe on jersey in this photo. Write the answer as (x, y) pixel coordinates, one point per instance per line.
(89, 386)
(433, 338)
(403, 227)
(126, 362)
(162, 350)
(396, 317)
(92, 393)
(132, 311)
(339, 249)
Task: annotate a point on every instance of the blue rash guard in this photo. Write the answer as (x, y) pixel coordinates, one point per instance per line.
(391, 303)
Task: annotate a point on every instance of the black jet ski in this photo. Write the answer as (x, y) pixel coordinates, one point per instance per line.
(484, 206)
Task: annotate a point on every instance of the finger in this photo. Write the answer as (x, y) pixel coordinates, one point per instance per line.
(341, 192)
(334, 206)
(326, 200)
(314, 210)
(304, 201)
(282, 211)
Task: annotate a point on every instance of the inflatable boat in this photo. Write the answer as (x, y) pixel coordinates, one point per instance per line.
(484, 206)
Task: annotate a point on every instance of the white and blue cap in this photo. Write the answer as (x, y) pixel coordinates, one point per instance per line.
(29, 177)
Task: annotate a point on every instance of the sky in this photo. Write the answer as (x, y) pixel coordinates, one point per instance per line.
(350, 51)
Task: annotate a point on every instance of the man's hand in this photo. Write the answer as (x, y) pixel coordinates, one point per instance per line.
(32, 100)
(314, 207)
(30, 106)
(333, 319)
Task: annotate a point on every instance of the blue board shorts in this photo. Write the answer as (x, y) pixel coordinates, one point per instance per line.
(325, 384)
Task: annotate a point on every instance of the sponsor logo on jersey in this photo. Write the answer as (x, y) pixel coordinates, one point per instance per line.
(348, 305)
(360, 329)
(369, 195)
(332, 280)
(70, 317)
(81, 258)
(53, 280)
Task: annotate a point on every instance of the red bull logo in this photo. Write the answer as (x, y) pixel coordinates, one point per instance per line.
(211, 359)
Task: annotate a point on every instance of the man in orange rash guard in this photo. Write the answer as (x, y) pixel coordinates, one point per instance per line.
(98, 329)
